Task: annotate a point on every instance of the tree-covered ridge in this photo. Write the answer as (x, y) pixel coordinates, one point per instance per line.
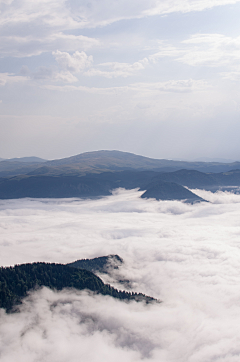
(99, 264)
(16, 281)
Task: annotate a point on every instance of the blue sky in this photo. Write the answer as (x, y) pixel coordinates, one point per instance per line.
(157, 78)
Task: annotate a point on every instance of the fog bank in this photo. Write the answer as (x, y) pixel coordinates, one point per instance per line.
(186, 255)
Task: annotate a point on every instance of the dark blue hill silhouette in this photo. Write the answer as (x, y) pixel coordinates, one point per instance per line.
(86, 186)
(170, 191)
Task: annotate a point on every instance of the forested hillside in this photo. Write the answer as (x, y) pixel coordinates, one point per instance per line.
(99, 264)
(16, 281)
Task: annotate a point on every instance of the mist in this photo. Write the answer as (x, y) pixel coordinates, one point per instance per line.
(187, 256)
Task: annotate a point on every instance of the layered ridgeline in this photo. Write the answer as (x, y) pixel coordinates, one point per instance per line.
(94, 185)
(17, 281)
(102, 161)
(96, 174)
(19, 166)
(159, 185)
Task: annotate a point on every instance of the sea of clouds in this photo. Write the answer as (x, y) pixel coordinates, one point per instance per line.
(188, 256)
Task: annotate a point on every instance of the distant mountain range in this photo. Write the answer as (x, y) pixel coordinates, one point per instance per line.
(24, 159)
(19, 166)
(94, 174)
(102, 161)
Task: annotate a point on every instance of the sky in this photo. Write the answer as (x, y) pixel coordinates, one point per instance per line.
(188, 256)
(158, 78)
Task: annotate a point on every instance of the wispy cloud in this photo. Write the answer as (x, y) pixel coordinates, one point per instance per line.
(29, 45)
(185, 6)
(116, 69)
(174, 86)
(209, 50)
(11, 78)
(50, 19)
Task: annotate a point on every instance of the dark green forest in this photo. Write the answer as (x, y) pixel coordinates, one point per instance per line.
(99, 264)
(15, 282)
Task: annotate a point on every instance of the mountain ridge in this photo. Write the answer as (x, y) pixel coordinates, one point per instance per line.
(161, 185)
(17, 281)
(87, 187)
(103, 161)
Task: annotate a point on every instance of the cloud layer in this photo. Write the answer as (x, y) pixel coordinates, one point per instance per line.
(51, 20)
(186, 255)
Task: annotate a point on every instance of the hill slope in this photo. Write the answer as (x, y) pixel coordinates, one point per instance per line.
(16, 281)
(161, 185)
(170, 191)
(99, 161)
(69, 186)
(99, 264)
(53, 187)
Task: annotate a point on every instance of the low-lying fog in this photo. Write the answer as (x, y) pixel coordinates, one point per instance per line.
(186, 255)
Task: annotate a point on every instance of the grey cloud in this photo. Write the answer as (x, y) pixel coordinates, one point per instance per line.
(25, 70)
(43, 73)
(46, 74)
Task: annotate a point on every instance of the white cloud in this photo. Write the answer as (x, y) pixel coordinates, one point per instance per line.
(186, 255)
(144, 89)
(29, 45)
(51, 21)
(178, 86)
(48, 74)
(11, 78)
(90, 90)
(165, 50)
(94, 13)
(185, 6)
(116, 69)
(212, 50)
(78, 62)
(65, 76)
(125, 66)
(73, 63)
(232, 75)
(220, 197)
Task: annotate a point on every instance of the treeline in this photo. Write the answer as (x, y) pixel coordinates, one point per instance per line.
(16, 281)
(99, 264)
